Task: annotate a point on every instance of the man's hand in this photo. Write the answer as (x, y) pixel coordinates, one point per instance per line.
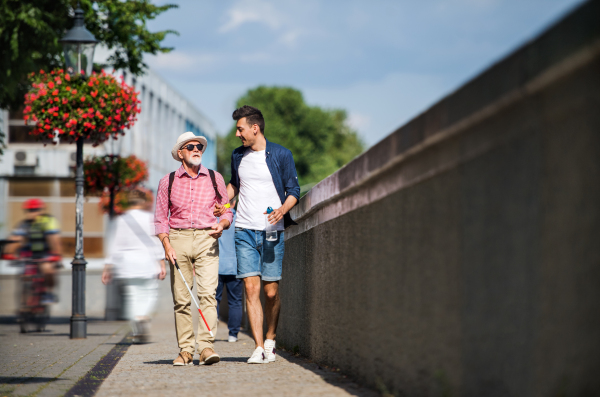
(106, 275)
(163, 271)
(219, 210)
(275, 216)
(217, 230)
(169, 251)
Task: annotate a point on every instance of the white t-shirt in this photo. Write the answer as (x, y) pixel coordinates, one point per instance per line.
(257, 192)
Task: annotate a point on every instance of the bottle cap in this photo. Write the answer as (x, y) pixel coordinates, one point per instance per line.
(269, 210)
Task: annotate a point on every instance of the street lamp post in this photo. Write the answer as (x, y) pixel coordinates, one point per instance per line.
(79, 45)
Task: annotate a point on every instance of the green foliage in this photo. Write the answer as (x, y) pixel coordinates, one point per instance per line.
(30, 32)
(320, 139)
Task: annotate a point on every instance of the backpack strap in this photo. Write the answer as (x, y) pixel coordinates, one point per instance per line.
(214, 182)
(171, 179)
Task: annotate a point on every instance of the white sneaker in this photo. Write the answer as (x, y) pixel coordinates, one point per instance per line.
(258, 357)
(270, 350)
(232, 338)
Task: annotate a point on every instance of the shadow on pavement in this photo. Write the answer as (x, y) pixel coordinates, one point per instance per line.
(235, 359)
(159, 362)
(330, 376)
(18, 380)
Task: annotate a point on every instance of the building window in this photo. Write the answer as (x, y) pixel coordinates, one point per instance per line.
(30, 188)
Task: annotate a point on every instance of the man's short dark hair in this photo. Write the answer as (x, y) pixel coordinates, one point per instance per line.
(252, 115)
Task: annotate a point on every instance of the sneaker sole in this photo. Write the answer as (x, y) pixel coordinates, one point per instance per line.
(258, 362)
(211, 360)
(182, 364)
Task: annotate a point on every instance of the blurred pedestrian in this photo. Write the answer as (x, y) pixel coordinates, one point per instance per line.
(228, 279)
(188, 230)
(38, 237)
(264, 175)
(136, 262)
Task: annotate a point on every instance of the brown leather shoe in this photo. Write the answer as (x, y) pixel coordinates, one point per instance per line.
(184, 358)
(208, 357)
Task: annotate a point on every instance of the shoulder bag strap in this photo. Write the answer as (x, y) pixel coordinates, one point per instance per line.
(137, 229)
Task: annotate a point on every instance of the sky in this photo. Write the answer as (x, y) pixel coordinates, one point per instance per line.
(382, 61)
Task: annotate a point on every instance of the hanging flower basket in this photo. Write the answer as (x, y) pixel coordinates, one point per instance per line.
(101, 174)
(121, 201)
(73, 107)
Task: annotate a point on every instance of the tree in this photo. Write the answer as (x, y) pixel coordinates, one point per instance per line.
(320, 139)
(30, 32)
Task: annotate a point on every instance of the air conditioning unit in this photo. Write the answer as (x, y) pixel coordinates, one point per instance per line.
(72, 159)
(23, 158)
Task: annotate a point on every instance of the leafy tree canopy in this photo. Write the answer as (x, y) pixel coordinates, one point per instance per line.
(30, 31)
(320, 139)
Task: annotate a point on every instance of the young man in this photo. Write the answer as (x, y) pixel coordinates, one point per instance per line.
(189, 236)
(264, 175)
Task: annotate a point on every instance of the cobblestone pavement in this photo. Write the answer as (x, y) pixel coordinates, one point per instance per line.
(147, 370)
(49, 363)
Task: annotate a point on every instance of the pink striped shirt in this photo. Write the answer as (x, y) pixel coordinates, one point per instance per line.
(192, 201)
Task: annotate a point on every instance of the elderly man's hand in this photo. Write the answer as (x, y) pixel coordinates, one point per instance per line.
(217, 231)
(219, 210)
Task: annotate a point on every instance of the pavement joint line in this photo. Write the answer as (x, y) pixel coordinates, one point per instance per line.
(89, 384)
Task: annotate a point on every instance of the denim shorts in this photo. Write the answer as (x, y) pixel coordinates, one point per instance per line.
(257, 256)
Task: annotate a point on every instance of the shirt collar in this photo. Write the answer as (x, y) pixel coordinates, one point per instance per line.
(181, 171)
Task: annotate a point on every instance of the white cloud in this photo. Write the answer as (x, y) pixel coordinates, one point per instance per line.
(245, 11)
(358, 121)
(177, 61)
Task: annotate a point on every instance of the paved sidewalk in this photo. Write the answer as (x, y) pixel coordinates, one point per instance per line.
(49, 363)
(147, 370)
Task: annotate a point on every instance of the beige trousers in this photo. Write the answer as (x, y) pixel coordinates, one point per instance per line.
(198, 251)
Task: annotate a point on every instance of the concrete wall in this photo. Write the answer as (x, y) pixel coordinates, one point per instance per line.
(460, 256)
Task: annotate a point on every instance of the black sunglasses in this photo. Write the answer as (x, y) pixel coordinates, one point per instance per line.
(190, 146)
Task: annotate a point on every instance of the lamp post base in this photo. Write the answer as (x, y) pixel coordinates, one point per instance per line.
(78, 327)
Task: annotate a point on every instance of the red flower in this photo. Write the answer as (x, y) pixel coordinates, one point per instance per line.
(94, 93)
(50, 85)
(82, 99)
(118, 117)
(67, 77)
(68, 88)
(74, 92)
(55, 92)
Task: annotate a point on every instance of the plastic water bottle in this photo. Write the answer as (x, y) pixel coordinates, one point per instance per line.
(270, 229)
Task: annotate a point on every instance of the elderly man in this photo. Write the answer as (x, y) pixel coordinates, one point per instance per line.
(188, 231)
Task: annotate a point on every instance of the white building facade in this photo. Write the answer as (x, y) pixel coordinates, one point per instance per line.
(29, 169)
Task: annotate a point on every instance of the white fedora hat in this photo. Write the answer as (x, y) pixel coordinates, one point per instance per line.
(185, 138)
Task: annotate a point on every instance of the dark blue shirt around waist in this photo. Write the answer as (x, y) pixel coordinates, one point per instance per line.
(227, 258)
